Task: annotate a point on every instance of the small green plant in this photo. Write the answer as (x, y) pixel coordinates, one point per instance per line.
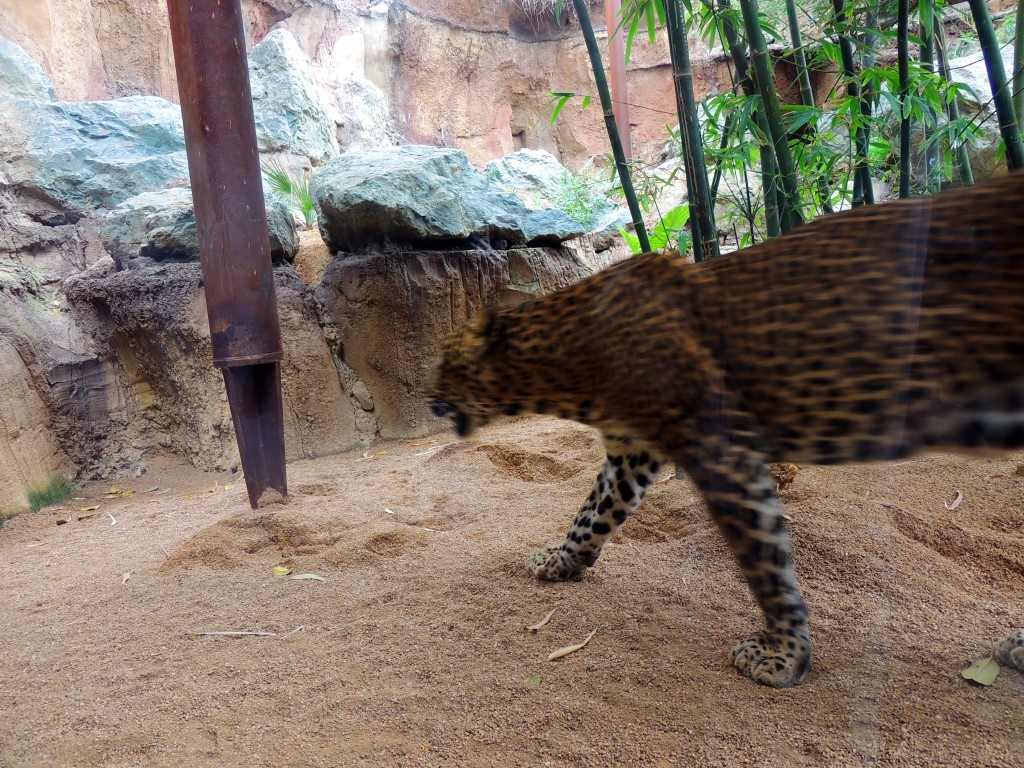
(57, 490)
(292, 191)
(671, 229)
(577, 200)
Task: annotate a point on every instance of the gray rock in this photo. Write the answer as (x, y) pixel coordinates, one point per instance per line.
(362, 395)
(363, 119)
(290, 105)
(161, 226)
(21, 77)
(425, 196)
(87, 155)
(542, 182)
(971, 71)
(533, 174)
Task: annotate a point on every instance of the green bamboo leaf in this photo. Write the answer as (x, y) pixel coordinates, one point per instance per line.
(586, 102)
(562, 98)
(631, 240)
(631, 36)
(651, 27)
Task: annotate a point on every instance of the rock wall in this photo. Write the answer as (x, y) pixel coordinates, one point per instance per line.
(456, 73)
(152, 321)
(104, 337)
(391, 310)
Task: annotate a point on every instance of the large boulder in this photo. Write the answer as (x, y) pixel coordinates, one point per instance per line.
(88, 155)
(392, 310)
(533, 174)
(426, 197)
(542, 182)
(292, 108)
(161, 226)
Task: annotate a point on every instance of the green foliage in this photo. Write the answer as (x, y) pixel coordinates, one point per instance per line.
(560, 98)
(58, 489)
(290, 190)
(670, 232)
(577, 200)
(821, 140)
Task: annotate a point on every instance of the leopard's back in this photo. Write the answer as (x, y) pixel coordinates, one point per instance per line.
(909, 336)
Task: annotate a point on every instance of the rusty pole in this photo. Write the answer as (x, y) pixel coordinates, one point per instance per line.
(231, 219)
(617, 67)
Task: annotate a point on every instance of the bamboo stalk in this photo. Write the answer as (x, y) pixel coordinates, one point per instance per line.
(702, 220)
(927, 60)
(1018, 64)
(903, 59)
(583, 14)
(862, 192)
(952, 109)
(766, 150)
(773, 113)
(997, 78)
(803, 75)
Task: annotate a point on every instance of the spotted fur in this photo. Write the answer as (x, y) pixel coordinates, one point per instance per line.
(863, 336)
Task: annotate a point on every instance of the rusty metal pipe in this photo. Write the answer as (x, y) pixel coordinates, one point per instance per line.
(220, 139)
(617, 68)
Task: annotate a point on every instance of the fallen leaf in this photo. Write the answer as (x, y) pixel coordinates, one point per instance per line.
(281, 570)
(533, 681)
(39, 543)
(212, 490)
(114, 491)
(571, 648)
(86, 517)
(112, 520)
(92, 508)
(229, 487)
(313, 576)
(430, 451)
(542, 622)
(389, 511)
(955, 503)
(154, 489)
(982, 671)
(125, 576)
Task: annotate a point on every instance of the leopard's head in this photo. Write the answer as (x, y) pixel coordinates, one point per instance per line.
(471, 381)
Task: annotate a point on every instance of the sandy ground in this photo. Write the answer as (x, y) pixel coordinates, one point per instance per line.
(415, 652)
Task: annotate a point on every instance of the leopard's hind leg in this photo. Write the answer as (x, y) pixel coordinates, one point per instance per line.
(741, 498)
(629, 470)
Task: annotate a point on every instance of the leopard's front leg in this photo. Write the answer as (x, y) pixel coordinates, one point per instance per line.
(629, 470)
(741, 498)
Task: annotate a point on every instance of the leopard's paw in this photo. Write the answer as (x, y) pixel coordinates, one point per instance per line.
(772, 659)
(554, 564)
(1010, 650)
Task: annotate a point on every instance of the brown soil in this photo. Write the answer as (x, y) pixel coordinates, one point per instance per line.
(415, 651)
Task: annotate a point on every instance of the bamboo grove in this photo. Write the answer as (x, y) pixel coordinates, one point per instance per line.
(872, 101)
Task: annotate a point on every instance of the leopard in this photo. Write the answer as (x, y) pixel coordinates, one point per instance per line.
(865, 335)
